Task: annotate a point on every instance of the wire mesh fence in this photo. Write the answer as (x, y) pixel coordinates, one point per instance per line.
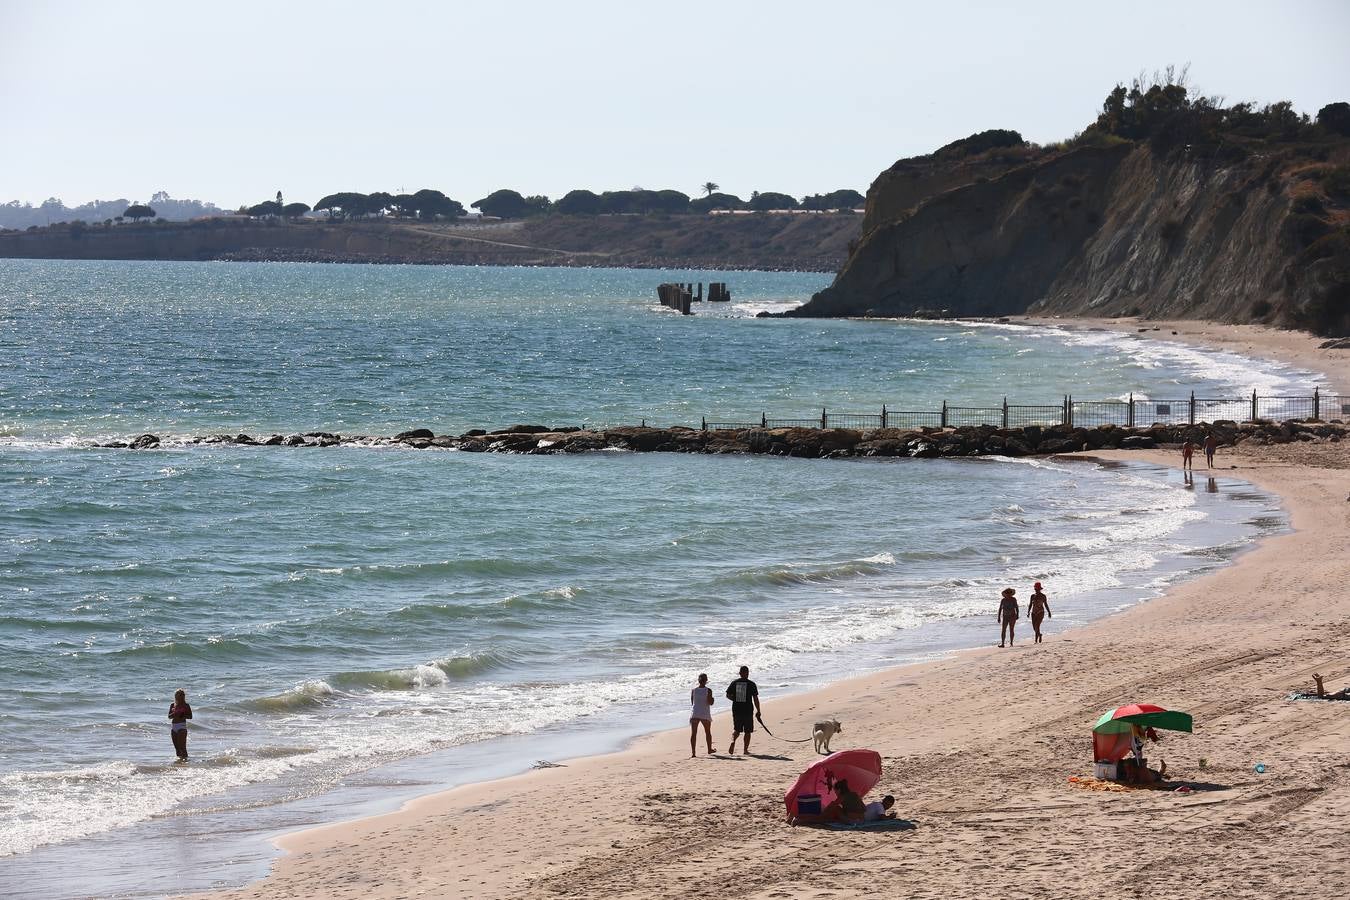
(1131, 412)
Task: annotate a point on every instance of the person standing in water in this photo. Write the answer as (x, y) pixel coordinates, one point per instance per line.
(1039, 607)
(179, 713)
(1211, 444)
(744, 696)
(701, 701)
(1008, 611)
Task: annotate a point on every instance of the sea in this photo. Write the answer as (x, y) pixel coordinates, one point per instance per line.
(358, 625)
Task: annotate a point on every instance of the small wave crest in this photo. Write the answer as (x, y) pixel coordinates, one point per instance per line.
(790, 574)
(306, 694)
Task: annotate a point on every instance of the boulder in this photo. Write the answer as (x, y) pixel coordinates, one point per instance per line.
(1138, 442)
(144, 442)
(295, 440)
(273, 441)
(524, 429)
(415, 434)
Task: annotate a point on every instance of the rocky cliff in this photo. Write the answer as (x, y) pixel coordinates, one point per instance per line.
(1239, 231)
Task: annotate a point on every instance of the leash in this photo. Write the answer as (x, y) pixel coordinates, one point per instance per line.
(760, 720)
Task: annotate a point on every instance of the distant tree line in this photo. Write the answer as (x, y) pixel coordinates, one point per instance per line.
(430, 205)
(22, 215)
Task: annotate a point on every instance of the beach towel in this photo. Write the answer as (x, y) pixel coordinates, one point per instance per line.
(878, 825)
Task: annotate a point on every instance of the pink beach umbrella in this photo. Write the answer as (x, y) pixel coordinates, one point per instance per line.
(860, 768)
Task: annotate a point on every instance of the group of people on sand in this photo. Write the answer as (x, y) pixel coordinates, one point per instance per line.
(1009, 611)
(744, 696)
(1210, 444)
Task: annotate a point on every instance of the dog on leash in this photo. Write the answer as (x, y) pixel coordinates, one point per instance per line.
(822, 732)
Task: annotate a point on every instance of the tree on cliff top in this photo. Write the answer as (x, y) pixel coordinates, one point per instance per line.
(267, 208)
(294, 210)
(1335, 117)
(137, 211)
(579, 203)
(841, 199)
(710, 187)
(503, 204)
(771, 200)
(716, 201)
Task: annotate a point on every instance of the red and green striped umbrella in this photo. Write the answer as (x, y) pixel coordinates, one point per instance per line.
(1145, 715)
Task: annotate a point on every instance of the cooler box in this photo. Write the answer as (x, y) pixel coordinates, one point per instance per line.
(1104, 770)
(808, 804)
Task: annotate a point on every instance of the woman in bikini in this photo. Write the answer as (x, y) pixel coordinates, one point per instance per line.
(1008, 611)
(179, 713)
(1039, 606)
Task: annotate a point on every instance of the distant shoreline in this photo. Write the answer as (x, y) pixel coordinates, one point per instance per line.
(816, 243)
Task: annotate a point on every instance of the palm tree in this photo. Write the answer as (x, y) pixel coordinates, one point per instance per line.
(711, 186)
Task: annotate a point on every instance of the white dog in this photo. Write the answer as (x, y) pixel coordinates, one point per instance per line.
(822, 732)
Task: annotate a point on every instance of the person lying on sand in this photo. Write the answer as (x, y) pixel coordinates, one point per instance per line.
(879, 809)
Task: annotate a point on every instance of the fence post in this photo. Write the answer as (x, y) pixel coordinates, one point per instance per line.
(1005, 413)
(1192, 416)
(705, 423)
(1253, 418)
(1129, 417)
(883, 415)
(824, 420)
(1317, 404)
(944, 413)
(763, 420)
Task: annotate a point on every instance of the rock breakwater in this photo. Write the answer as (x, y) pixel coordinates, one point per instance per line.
(811, 443)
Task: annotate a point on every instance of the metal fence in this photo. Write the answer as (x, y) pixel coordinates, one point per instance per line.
(1130, 412)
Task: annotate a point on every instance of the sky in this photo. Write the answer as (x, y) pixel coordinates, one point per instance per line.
(233, 101)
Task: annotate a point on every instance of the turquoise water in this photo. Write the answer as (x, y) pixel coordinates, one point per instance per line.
(334, 612)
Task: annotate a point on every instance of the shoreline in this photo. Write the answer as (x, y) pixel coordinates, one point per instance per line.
(641, 756)
(1278, 345)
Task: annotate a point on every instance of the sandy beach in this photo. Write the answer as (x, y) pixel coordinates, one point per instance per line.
(978, 750)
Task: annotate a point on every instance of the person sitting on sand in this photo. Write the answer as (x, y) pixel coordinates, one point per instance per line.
(879, 809)
(1039, 607)
(701, 701)
(1134, 771)
(1008, 611)
(846, 806)
(179, 713)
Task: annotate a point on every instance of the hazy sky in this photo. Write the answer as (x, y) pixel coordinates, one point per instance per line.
(232, 101)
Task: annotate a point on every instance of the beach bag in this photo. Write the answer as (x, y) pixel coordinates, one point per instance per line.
(808, 804)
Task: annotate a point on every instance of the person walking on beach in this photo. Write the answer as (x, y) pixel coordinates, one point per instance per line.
(179, 713)
(1187, 455)
(1039, 607)
(1211, 444)
(1008, 611)
(701, 701)
(744, 696)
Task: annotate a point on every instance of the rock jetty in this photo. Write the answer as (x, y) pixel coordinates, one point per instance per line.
(811, 443)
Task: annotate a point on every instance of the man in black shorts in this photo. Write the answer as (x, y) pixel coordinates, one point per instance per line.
(744, 696)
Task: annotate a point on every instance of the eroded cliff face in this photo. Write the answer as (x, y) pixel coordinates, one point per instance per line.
(1106, 231)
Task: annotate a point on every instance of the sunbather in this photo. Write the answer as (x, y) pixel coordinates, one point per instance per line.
(879, 809)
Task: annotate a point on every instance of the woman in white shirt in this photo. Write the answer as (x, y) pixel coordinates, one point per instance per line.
(701, 701)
